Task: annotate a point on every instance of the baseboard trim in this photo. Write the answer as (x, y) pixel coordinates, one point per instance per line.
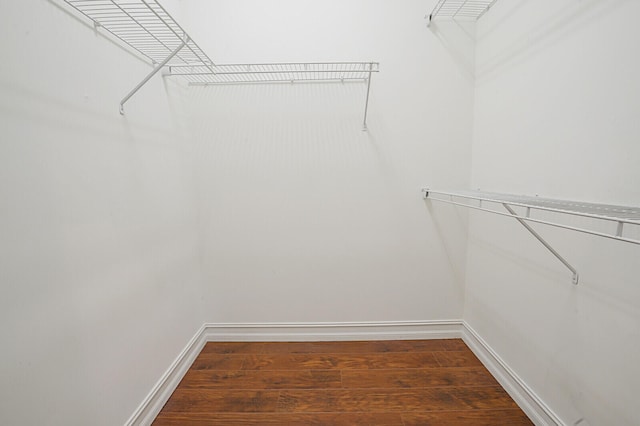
(522, 394)
(160, 393)
(327, 331)
(539, 412)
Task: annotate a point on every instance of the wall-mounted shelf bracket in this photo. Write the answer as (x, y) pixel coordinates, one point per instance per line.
(366, 102)
(619, 215)
(528, 227)
(157, 68)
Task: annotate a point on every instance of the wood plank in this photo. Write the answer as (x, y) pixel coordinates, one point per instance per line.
(339, 361)
(393, 400)
(221, 401)
(257, 419)
(232, 348)
(256, 379)
(454, 345)
(468, 418)
(376, 346)
(457, 359)
(214, 361)
(420, 378)
(339, 383)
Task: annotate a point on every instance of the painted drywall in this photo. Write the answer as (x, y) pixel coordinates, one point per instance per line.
(99, 265)
(306, 217)
(556, 114)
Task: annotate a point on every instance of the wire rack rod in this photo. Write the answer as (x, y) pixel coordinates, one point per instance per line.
(607, 212)
(460, 9)
(276, 72)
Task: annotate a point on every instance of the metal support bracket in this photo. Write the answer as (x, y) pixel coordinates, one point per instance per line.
(522, 219)
(366, 102)
(152, 73)
(544, 243)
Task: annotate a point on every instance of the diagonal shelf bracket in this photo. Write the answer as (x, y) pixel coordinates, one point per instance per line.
(151, 74)
(366, 102)
(544, 243)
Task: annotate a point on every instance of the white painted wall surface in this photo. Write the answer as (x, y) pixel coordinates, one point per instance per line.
(98, 245)
(556, 113)
(305, 217)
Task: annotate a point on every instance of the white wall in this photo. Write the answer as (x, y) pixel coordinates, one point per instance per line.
(556, 114)
(98, 244)
(292, 213)
(306, 217)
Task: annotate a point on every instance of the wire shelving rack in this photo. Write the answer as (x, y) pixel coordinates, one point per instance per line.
(301, 72)
(470, 10)
(276, 72)
(146, 27)
(618, 216)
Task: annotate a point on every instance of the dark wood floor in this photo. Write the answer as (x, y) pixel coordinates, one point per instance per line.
(422, 382)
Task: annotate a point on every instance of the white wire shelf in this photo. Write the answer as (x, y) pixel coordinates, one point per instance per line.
(304, 72)
(618, 215)
(612, 213)
(149, 29)
(145, 26)
(470, 10)
(276, 72)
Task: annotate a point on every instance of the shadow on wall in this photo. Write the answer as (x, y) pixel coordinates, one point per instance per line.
(551, 28)
(458, 39)
(69, 11)
(586, 336)
(544, 266)
(454, 242)
(284, 125)
(576, 331)
(60, 114)
(290, 141)
(177, 93)
(294, 138)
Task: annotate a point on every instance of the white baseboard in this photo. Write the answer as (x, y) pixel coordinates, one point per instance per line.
(325, 331)
(530, 403)
(159, 395)
(522, 394)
